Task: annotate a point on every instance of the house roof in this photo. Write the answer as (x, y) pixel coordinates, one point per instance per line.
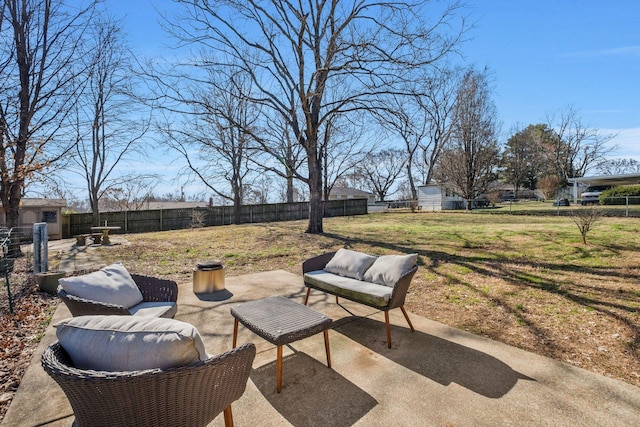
(627, 179)
(42, 203)
(175, 205)
(348, 191)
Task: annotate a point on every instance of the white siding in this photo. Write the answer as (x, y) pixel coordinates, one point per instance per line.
(433, 197)
(430, 197)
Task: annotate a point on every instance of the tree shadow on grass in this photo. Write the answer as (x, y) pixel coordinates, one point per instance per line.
(312, 394)
(442, 361)
(620, 304)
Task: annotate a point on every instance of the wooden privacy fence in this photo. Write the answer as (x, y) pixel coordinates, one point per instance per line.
(176, 219)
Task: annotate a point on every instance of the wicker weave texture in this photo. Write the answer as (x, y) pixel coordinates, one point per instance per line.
(280, 320)
(187, 396)
(153, 289)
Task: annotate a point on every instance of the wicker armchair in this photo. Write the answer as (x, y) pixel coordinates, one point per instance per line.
(189, 396)
(153, 289)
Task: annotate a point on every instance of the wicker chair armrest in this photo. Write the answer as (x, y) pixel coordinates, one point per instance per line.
(85, 307)
(191, 395)
(401, 288)
(317, 262)
(154, 289)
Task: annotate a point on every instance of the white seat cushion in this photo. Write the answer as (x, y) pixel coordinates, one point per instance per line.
(129, 343)
(365, 292)
(111, 284)
(154, 309)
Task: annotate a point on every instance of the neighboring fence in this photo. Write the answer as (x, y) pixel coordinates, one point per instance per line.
(620, 200)
(176, 219)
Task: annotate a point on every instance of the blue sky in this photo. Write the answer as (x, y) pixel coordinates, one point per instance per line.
(543, 55)
(548, 54)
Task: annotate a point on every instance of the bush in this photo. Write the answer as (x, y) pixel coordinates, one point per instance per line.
(618, 195)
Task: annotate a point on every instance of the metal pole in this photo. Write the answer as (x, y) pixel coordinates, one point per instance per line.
(40, 247)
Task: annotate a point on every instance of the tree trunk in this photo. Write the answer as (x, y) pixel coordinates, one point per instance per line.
(315, 198)
(237, 199)
(412, 185)
(289, 189)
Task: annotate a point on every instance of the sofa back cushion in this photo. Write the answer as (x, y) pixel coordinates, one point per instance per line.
(111, 284)
(349, 263)
(129, 343)
(388, 269)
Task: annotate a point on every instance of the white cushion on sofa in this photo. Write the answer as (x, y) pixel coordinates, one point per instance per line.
(349, 263)
(155, 309)
(111, 284)
(129, 343)
(388, 269)
(356, 290)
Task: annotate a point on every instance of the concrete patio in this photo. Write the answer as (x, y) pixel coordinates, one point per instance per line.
(436, 376)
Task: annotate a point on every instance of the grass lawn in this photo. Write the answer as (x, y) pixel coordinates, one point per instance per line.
(528, 281)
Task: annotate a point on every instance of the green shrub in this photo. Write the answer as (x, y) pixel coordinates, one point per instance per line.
(618, 195)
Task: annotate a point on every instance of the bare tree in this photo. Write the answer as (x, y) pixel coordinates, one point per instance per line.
(131, 195)
(585, 218)
(422, 120)
(469, 164)
(312, 60)
(107, 131)
(39, 80)
(618, 166)
(340, 150)
(277, 139)
(438, 101)
(576, 148)
(381, 170)
(550, 185)
(407, 119)
(217, 142)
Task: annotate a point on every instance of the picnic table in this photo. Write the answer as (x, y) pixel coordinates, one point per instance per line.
(105, 232)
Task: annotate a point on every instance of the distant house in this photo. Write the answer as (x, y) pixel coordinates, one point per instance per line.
(40, 210)
(175, 205)
(436, 197)
(341, 193)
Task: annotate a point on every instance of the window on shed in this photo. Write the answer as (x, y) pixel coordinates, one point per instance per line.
(49, 216)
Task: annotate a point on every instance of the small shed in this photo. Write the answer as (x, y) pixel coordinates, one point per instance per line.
(40, 210)
(437, 197)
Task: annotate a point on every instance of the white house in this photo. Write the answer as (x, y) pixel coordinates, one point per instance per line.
(436, 197)
(341, 193)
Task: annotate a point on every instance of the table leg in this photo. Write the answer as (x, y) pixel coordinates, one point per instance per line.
(326, 348)
(105, 237)
(235, 332)
(279, 369)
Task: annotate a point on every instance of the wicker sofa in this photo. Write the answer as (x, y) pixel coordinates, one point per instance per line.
(379, 282)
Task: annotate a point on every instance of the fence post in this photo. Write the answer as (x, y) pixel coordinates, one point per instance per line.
(627, 213)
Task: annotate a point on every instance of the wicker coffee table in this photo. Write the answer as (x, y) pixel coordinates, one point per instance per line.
(281, 321)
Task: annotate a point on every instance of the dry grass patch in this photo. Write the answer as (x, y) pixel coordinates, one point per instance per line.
(526, 281)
